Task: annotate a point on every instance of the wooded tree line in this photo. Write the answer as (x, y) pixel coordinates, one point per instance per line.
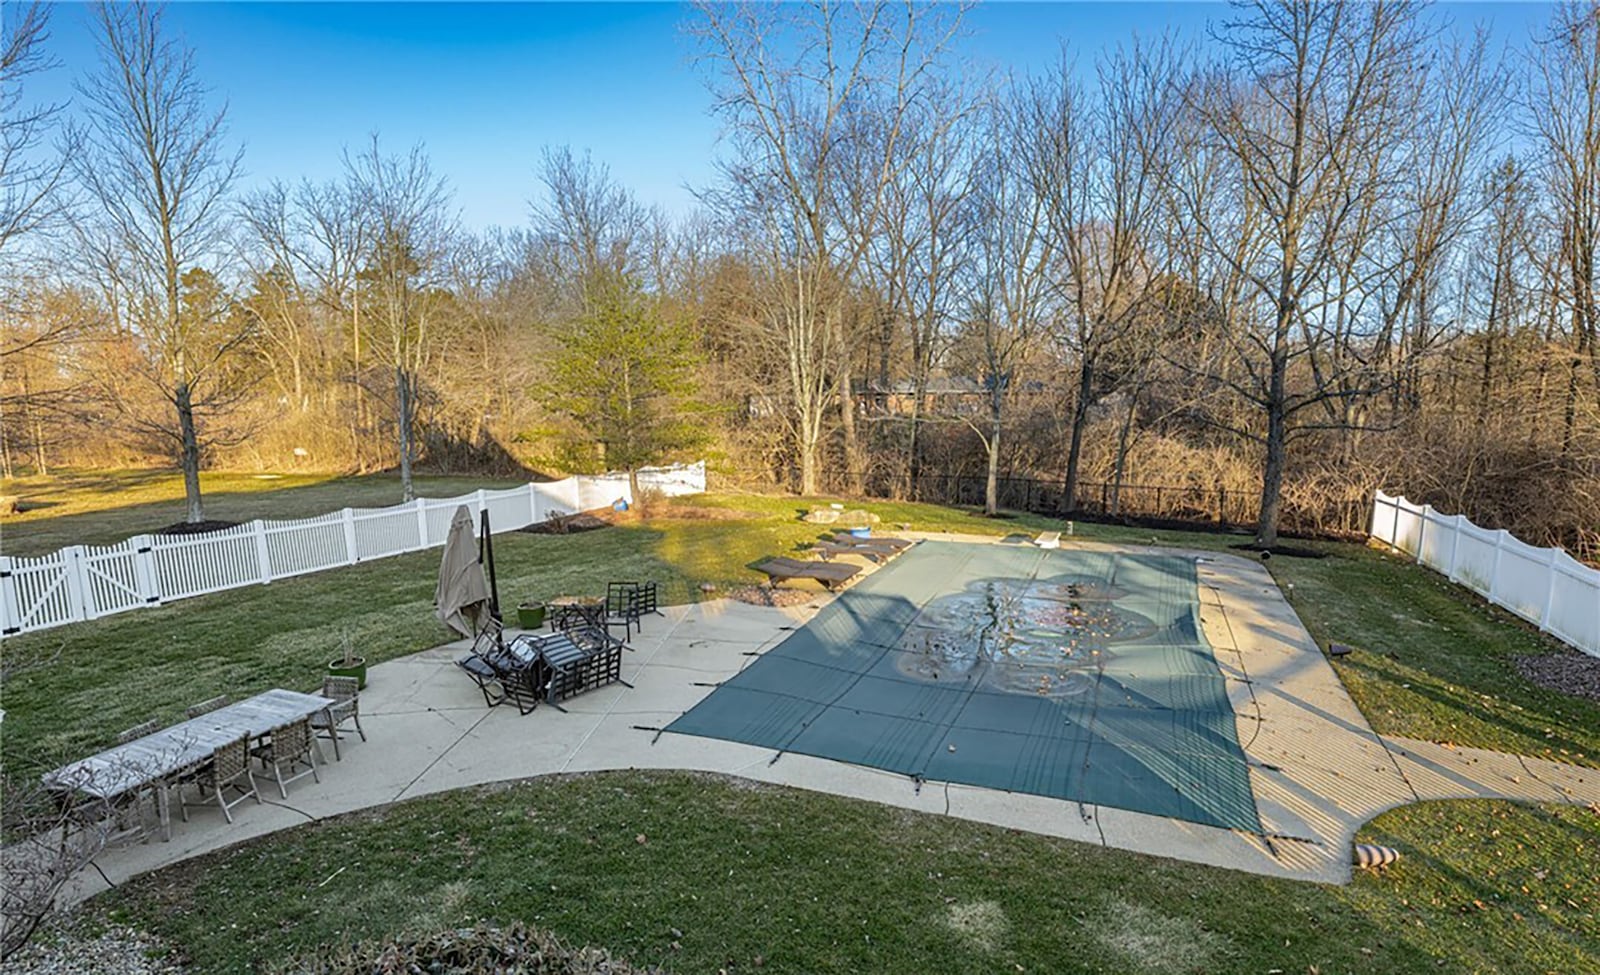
(1331, 247)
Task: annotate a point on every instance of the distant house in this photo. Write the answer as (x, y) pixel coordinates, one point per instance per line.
(944, 394)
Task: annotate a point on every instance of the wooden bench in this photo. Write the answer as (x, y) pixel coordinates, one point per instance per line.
(830, 574)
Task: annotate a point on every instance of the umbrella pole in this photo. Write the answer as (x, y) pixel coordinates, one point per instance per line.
(486, 556)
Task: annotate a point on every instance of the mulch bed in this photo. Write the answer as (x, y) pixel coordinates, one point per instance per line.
(567, 526)
(765, 596)
(1570, 672)
(195, 527)
(1287, 551)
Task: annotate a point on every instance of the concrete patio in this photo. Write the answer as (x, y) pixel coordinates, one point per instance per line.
(1318, 771)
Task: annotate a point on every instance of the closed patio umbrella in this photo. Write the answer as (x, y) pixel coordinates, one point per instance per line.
(463, 594)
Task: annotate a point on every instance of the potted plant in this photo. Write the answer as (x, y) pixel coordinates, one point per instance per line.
(530, 616)
(347, 664)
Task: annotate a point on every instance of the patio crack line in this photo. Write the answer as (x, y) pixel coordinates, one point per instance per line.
(440, 757)
(1566, 796)
(1385, 744)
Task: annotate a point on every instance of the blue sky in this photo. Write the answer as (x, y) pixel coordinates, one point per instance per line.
(486, 86)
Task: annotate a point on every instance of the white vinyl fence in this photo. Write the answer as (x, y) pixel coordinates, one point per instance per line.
(85, 582)
(1544, 586)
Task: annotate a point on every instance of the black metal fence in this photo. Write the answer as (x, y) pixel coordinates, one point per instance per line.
(1199, 506)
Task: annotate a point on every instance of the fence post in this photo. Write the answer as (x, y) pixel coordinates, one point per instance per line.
(77, 591)
(1422, 530)
(352, 554)
(533, 505)
(1494, 573)
(482, 500)
(10, 614)
(264, 557)
(1550, 589)
(144, 569)
(1455, 546)
(422, 523)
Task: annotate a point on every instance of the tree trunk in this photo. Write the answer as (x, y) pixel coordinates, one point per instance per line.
(808, 455)
(633, 485)
(991, 491)
(847, 425)
(1080, 412)
(189, 458)
(1122, 453)
(1272, 474)
(403, 410)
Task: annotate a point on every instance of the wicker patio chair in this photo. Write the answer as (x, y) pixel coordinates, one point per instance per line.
(227, 768)
(125, 813)
(344, 691)
(139, 731)
(205, 707)
(289, 747)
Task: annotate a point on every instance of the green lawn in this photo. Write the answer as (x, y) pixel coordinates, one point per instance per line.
(815, 883)
(104, 507)
(1450, 677)
(1434, 660)
(702, 874)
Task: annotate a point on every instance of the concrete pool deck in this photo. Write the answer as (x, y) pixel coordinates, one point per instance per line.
(1317, 769)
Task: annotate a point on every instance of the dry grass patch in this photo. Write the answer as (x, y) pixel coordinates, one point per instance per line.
(1151, 941)
(982, 925)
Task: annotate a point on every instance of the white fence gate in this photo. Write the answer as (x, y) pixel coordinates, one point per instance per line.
(85, 582)
(1544, 586)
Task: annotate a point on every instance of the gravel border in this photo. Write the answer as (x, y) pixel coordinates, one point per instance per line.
(1570, 672)
(63, 949)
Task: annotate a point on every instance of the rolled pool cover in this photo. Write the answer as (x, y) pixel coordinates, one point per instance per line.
(1372, 857)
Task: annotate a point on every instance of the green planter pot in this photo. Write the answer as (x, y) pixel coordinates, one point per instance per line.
(358, 670)
(530, 616)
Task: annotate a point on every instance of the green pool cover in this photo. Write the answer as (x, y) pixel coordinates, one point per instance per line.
(1069, 674)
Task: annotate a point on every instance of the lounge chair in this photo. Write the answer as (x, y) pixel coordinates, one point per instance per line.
(830, 549)
(830, 574)
(872, 541)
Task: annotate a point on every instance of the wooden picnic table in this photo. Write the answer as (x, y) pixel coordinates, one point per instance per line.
(149, 761)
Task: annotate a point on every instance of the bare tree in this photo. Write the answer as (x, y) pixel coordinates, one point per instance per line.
(28, 176)
(814, 93)
(916, 263)
(589, 225)
(1100, 166)
(152, 157)
(1011, 304)
(409, 227)
(1564, 109)
(1302, 128)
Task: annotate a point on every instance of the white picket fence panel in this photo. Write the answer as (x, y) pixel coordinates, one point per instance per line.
(1545, 586)
(86, 582)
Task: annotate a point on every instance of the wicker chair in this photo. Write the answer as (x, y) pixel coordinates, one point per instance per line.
(139, 731)
(344, 692)
(289, 747)
(205, 707)
(126, 814)
(228, 768)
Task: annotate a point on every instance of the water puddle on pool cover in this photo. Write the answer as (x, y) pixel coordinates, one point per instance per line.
(1047, 638)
